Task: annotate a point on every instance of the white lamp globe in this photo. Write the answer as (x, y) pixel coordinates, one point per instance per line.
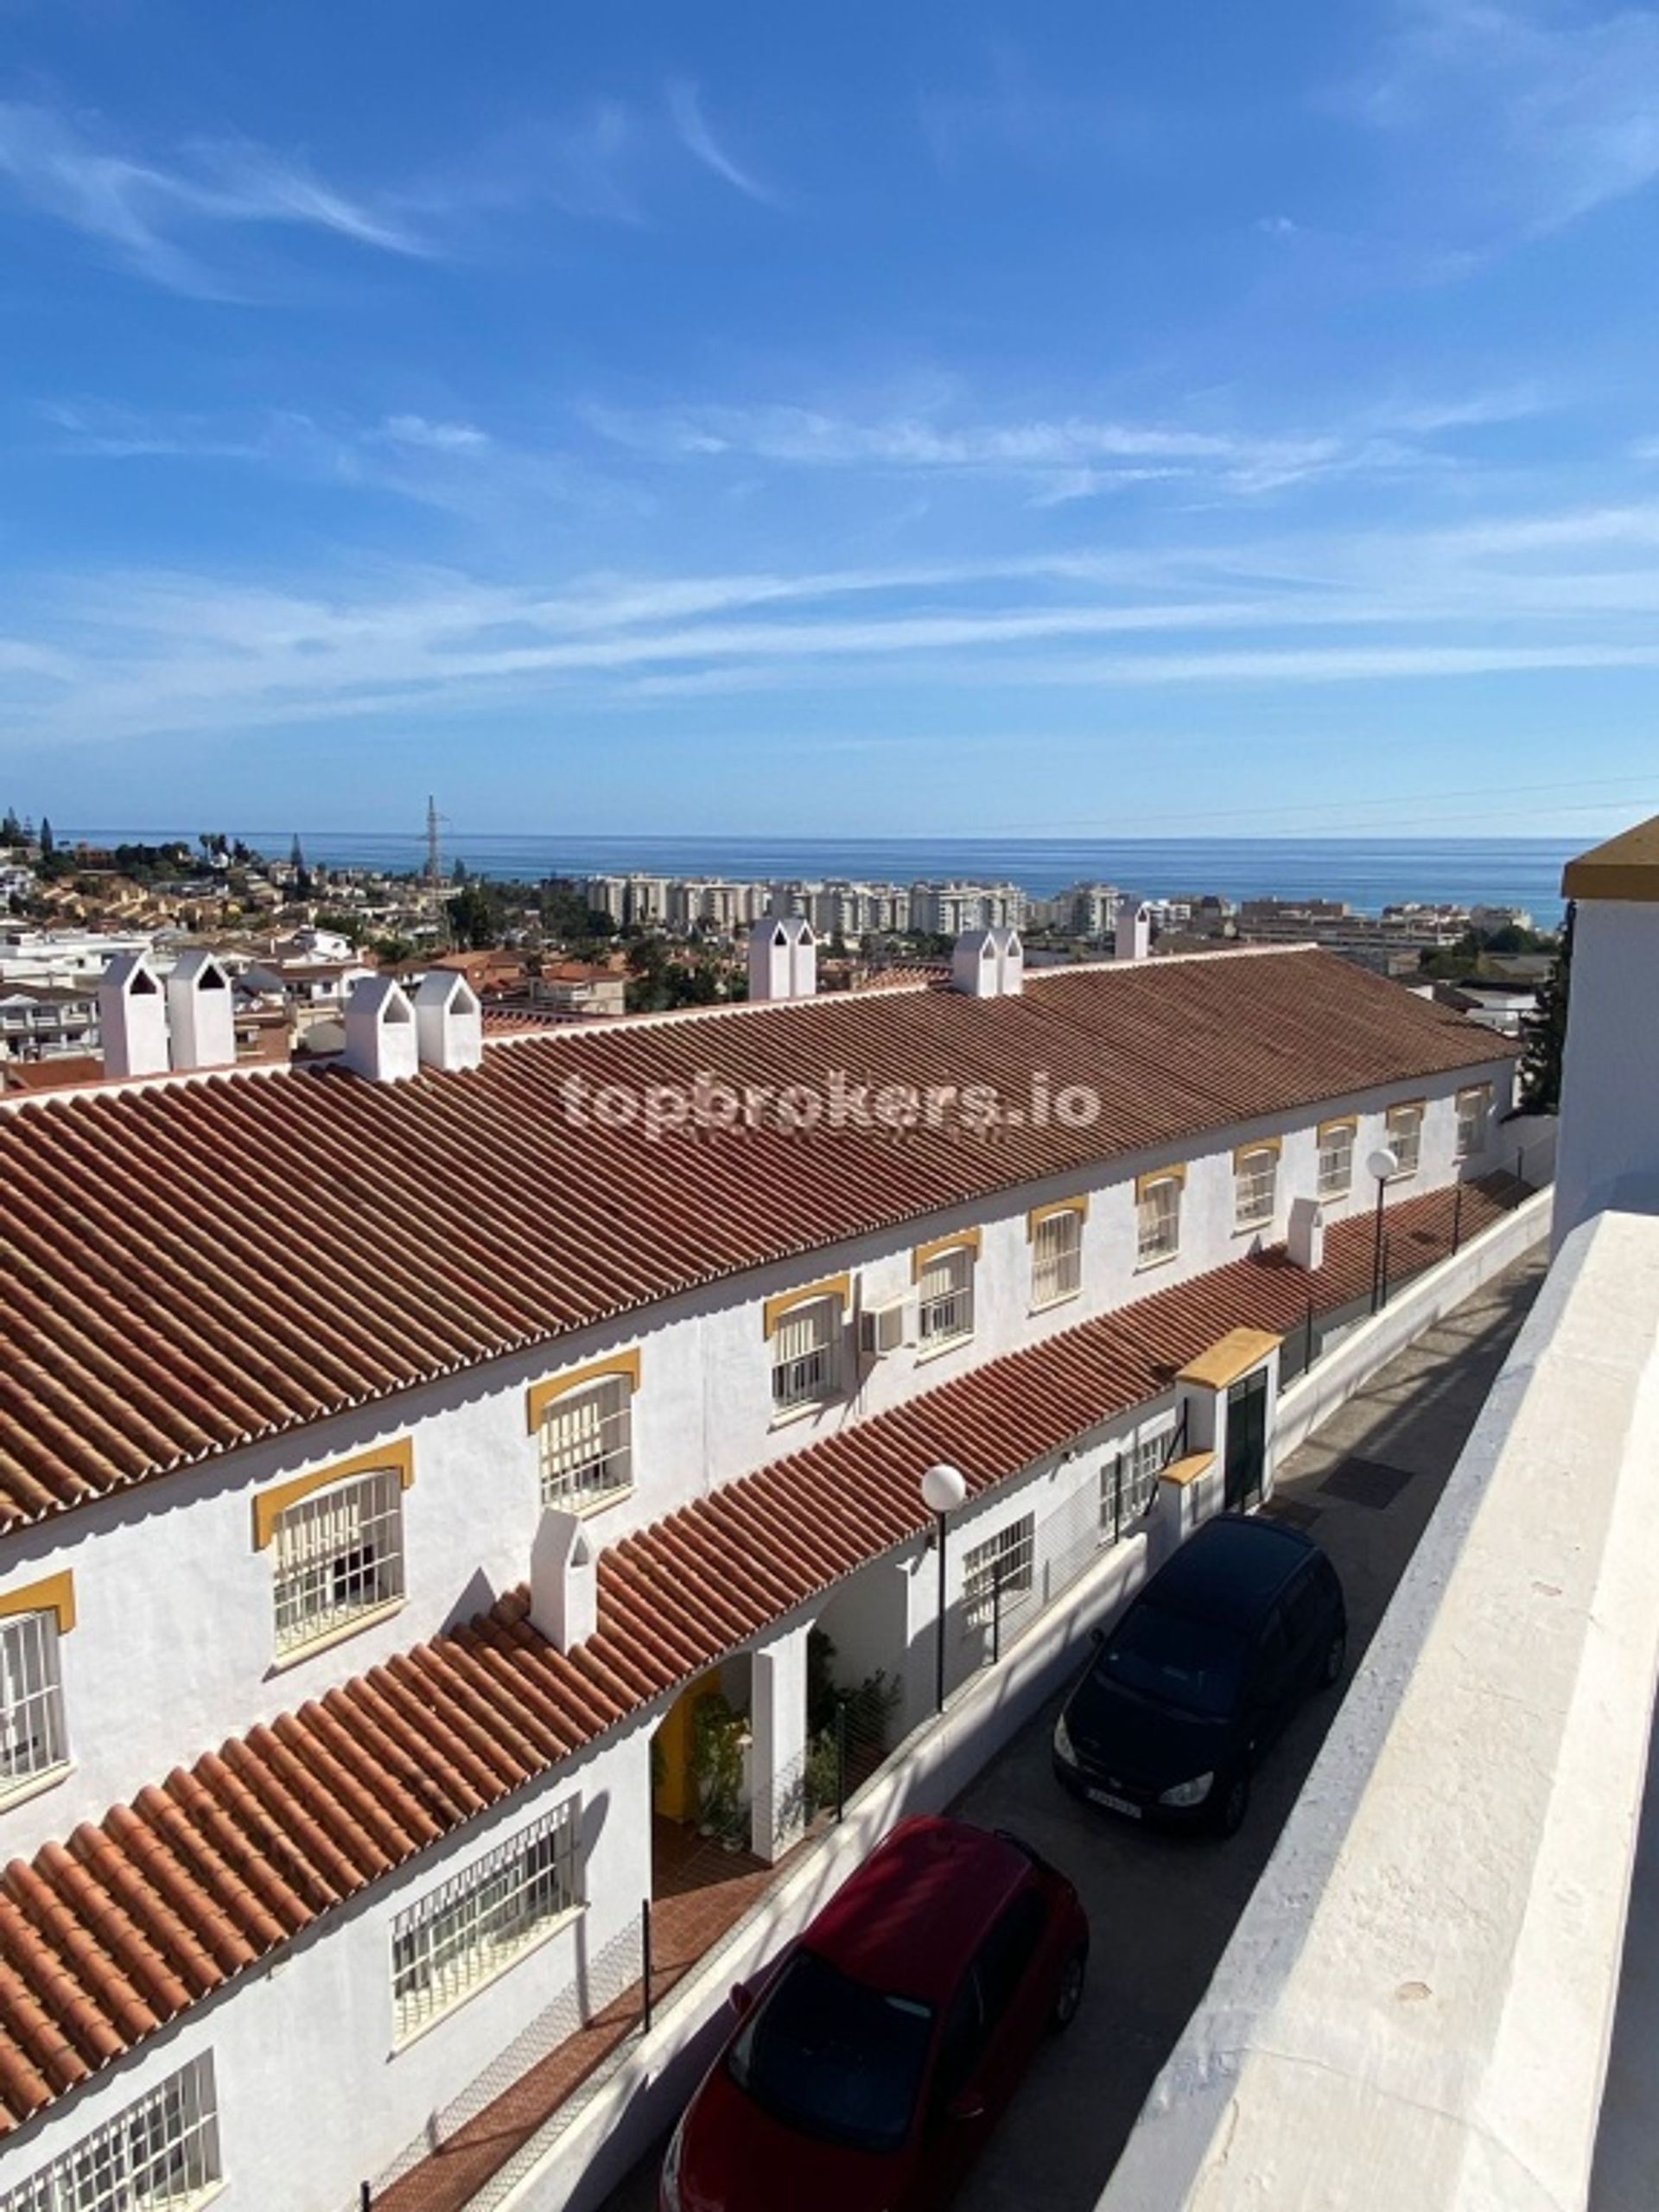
(944, 1488)
(1383, 1163)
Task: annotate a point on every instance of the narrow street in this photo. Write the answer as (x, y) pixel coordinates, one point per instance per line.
(1162, 1908)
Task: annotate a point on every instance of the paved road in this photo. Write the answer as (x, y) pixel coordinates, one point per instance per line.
(1162, 1908)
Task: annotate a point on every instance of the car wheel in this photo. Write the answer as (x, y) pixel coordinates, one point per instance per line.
(1069, 1995)
(1235, 1804)
(1334, 1658)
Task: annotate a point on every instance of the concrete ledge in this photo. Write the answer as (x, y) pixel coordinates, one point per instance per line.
(1187, 1469)
(1309, 1402)
(583, 2153)
(1414, 2009)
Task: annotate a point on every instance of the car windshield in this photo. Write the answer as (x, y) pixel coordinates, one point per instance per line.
(834, 2058)
(1176, 1659)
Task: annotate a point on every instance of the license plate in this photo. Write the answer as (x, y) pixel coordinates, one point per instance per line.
(1115, 1804)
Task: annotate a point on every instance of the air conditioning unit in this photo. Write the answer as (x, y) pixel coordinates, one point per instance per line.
(882, 1329)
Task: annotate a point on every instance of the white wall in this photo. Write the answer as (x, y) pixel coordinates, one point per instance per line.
(1609, 1144)
(313, 2094)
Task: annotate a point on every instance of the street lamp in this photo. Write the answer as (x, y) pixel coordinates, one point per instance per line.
(1385, 1165)
(944, 1488)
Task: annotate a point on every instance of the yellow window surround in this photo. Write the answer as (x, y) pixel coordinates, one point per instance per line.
(1038, 1214)
(268, 1503)
(839, 1287)
(964, 1239)
(55, 1593)
(1144, 1183)
(1244, 1151)
(1418, 1106)
(1342, 1122)
(1475, 1090)
(540, 1395)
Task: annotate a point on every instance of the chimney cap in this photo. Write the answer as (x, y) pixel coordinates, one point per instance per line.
(128, 972)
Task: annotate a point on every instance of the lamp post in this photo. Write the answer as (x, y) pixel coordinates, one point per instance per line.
(1385, 1165)
(944, 1488)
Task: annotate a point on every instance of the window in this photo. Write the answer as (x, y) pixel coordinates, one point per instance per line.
(1474, 1110)
(998, 1571)
(1158, 1218)
(1128, 1479)
(1256, 1182)
(587, 1443)
(479, 1922)
(946, 1313)
(160, 2155)
(32, 1737)
(1336, 1160)
(806, 1355)
(1405, 1125)
(1057, 1257)
(340, 1554)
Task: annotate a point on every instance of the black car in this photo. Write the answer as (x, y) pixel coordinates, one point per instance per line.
(1201, 1673)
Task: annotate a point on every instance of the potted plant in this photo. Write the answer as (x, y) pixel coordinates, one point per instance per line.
(720, 1737)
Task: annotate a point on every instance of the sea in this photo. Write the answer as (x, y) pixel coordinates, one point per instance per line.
(1370, 872)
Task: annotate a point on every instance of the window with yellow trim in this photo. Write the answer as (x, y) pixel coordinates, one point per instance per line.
(1057, 1257)
(587, 1443)
(1474, 1120)
(1336, 1176)
(806, 1355)
(338, 1554)
(945, 1313)
(32, 1738)
(1158, 1218)
(1405, 1128)
(1255, 1186)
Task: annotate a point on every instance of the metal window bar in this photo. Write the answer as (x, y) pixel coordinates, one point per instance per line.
(1336, 1171)
(340, 1553)
(1158, 1219)
(586, 1442)
(998, 1569)
(160, 2154)
(1057, 1259)
(946, 1307)
(480, 1919)
(1405, 1128)
(804, 1367)
(1255, 1186)
(32, 1736)
(1473, 1116)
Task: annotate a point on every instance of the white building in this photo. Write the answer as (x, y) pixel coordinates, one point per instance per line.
(400, 1454)
(950, 908)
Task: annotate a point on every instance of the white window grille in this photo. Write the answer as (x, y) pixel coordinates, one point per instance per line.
(1129, 1478)
(339, 1553)
(1158, 1218)
(1057, 1257)
(479, 1921)
(997, 1574)
(32, 1736)
(1406, 1137)
(1336, 1160)
(806, 1355)
(1473, 1107)
(1256, 1182)
(588, 1442)
(160, 2155)
(946, 1309)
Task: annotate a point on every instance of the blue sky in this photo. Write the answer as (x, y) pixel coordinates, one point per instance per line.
(854, 419)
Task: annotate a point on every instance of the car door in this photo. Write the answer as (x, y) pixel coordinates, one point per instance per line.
(1015, 1972)
(1273, 1680)
(956, 2121)
(1308, 1615)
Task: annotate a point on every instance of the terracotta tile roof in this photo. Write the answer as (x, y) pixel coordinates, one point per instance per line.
(188, 1267)
(133, 1920)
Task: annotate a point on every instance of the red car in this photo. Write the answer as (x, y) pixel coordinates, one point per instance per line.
(866, 2074)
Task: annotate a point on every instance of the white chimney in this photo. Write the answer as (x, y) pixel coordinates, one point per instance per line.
(989, 963)
(563, 1580)
(1305, 1239)
(132, 1017)
(1134, 940)
(201, 1012)
(380, 1031)
(448, 1021)
(783, 958)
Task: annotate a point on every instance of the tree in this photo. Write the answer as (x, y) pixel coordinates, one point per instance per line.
(1544, 1032)
(48, 842)
(474, 918)
(11, 830)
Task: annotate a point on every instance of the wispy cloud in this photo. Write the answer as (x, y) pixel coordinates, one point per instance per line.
(154, 214)
(685, 106)
(145, 656)
(434, 438)
(1521, 117)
